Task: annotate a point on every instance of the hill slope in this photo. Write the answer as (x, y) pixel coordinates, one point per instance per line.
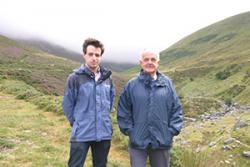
(44, 71)
(214, 61)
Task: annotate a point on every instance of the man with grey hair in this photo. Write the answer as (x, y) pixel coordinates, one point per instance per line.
(150, 113)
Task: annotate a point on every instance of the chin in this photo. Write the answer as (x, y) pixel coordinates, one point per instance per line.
(150, 71)
(94, 66)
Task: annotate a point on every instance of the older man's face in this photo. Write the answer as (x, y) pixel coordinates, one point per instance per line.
(149, 63)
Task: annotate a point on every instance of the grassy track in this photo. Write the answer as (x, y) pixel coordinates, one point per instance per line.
(30, 137)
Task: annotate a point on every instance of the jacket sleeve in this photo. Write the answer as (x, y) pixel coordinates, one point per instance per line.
(69, 99)
(124, 113)
(112, 94)
(176, 117)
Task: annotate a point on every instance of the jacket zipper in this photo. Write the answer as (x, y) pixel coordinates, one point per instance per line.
(95, 110)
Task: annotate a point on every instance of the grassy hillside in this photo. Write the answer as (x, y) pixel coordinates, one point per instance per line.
(213, 62)
(45, 72)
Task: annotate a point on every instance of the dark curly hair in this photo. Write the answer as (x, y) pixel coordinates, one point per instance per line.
(91, 41)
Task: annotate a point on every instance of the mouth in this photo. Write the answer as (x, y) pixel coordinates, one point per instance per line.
(150, 66)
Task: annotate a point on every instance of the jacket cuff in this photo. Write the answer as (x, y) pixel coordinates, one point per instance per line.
(71, 122)
(127, 132)
(173, 131)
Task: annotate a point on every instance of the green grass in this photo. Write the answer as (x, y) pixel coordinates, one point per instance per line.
(31, 137)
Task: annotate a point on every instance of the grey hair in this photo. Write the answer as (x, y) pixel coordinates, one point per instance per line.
(156, 53)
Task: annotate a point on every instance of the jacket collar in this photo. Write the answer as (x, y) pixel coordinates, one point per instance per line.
(105, 73)
(148, 80)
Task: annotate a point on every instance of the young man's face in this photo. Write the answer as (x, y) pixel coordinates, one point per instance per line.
(149, 63)
(93, 57)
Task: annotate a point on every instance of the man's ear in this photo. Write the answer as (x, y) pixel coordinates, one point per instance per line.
(140, 61)
(158, 62)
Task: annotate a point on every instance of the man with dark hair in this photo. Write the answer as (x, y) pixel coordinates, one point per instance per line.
(150, 113)
(87, 103)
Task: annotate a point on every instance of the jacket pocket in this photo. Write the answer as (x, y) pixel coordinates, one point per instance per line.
(136, 135)
(164, 135)
(107, 126)
(74, 130)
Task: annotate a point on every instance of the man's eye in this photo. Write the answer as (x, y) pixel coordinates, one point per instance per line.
(97, 55)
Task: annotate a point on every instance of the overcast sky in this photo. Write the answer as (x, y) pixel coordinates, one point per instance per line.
(124, 26)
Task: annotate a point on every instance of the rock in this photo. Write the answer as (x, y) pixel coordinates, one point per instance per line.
(198, 149)
(184, 142)
(229, 141)
(246, 154)
(189, 119)
(44, 134)
(211, 144)
(234, 146)
(225, 148)
(240, 124)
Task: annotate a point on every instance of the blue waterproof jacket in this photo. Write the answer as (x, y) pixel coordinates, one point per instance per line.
(149, 112)
(87, 105)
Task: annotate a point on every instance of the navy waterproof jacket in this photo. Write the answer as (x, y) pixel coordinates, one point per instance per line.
(149, 112)
(87, 105)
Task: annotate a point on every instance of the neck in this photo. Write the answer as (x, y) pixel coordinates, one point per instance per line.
(94, 70)
(152, 74)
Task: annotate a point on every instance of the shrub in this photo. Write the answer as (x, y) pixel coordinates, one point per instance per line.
(222, 75)
(26, 92)
(49, 103)
(228, 101)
